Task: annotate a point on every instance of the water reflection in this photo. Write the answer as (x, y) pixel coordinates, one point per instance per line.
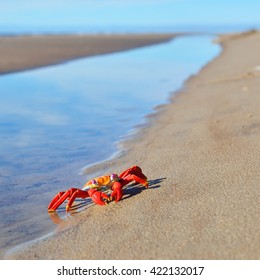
(55, 120)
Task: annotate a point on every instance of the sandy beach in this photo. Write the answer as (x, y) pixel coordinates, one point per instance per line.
(19, 53)
(200, 153)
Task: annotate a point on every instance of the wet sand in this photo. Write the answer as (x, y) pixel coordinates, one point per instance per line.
(201, 155)
(25, 52)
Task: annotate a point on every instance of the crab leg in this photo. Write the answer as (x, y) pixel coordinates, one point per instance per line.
(62, 196)
(73, 193)
(54, 200)
(77, 193)
(134, 174)
(130, 170)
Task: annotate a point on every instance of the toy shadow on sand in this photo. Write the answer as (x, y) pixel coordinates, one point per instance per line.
(80, 205)
(135, 189)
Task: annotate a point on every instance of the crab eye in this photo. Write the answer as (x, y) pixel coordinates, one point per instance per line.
(93, 182)
(113, 177)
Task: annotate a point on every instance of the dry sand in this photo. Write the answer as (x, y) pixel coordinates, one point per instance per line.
(201, 154)
(24, 52)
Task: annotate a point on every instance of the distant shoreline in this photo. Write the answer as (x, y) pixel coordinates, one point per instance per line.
(19, 53)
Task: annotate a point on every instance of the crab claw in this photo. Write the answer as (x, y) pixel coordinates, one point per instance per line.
(98, 197)
(117, 191)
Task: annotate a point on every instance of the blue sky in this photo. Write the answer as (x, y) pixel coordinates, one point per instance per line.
(127, 12)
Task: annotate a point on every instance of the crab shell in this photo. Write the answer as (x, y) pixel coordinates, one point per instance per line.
(101, 182)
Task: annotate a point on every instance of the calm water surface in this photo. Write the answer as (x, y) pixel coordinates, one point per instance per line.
(58, 119)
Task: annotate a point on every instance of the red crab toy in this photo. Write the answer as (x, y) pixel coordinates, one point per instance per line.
(92, 188)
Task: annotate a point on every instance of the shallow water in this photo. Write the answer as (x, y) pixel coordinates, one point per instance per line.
(58, 119)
